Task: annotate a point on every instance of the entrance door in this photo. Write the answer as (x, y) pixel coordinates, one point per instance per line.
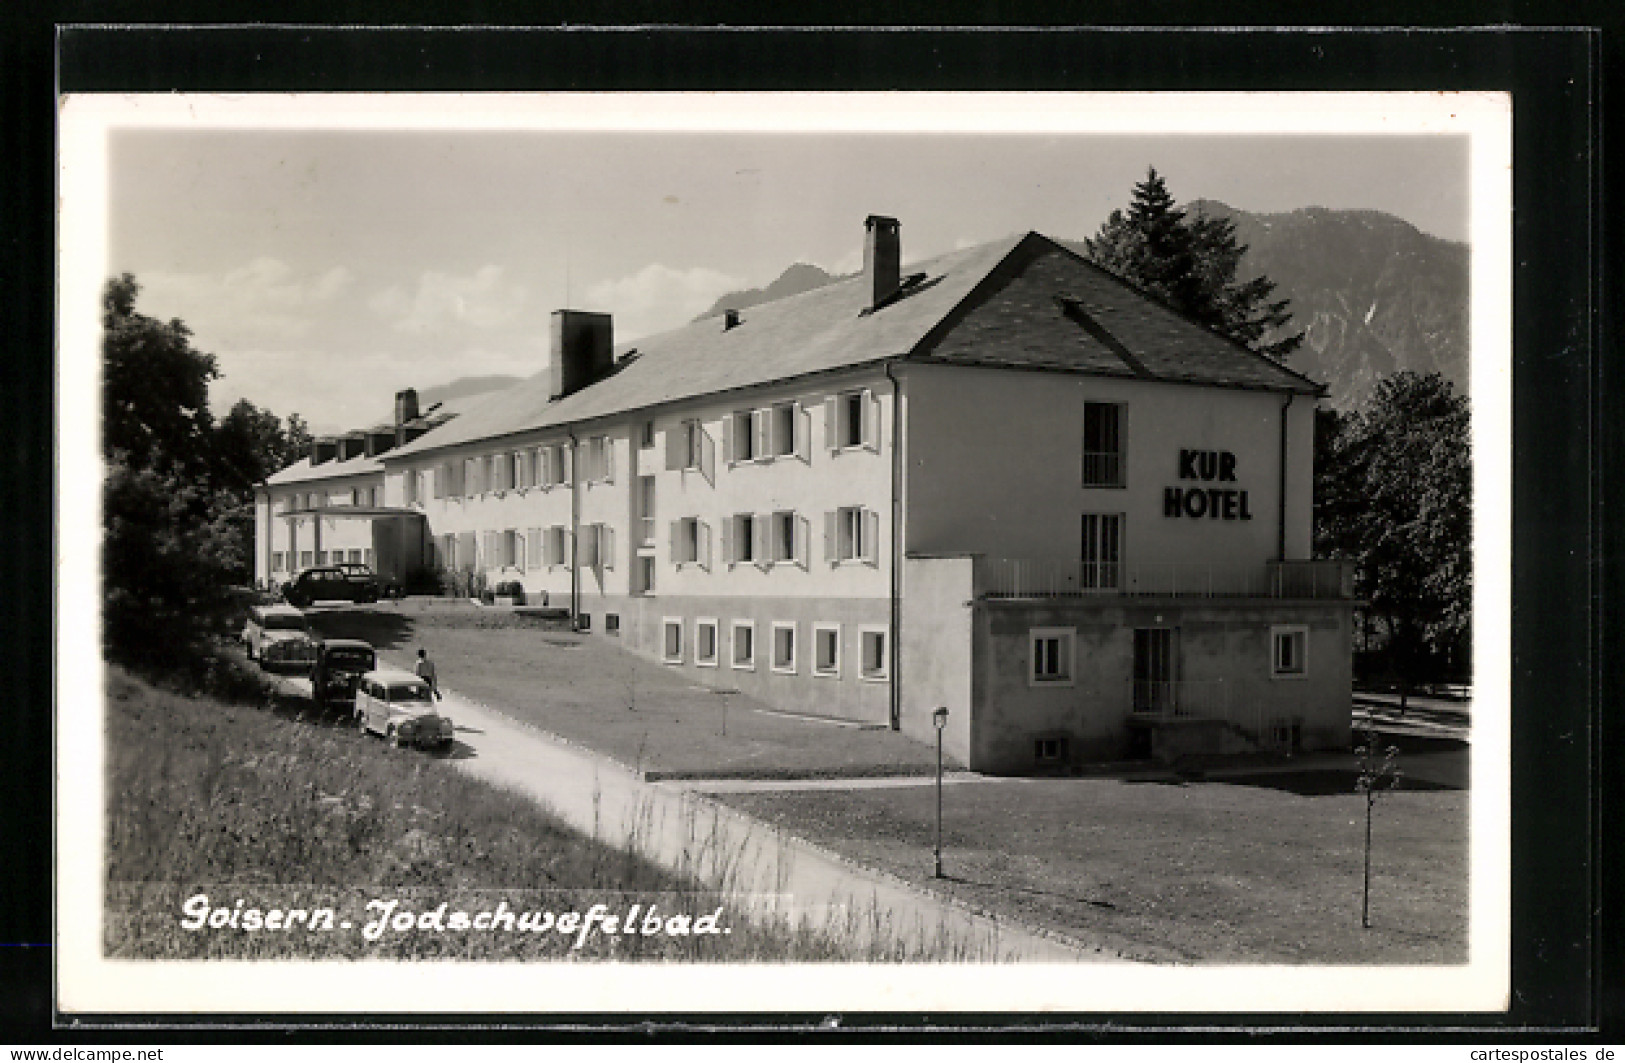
(1155, 691)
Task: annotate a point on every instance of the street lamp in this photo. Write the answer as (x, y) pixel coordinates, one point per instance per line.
(939, 719)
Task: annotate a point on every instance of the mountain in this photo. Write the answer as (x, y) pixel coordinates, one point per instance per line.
(1373, 294)
(797, 279)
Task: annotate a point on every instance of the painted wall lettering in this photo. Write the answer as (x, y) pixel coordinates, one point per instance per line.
(1214, 503)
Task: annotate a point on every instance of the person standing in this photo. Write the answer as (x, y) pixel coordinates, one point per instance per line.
(425, 671)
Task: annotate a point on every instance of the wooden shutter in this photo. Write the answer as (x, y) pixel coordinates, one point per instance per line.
(676, 541)
(606, 545)
(567, 463)
(704, 545)
(871, 420)
(763, 526)
(730, 553)
(674, 448)
(832, 439)
(832, 536)
(729, 454)
(761, 433)
(803, 531)
(871, 536)
(801, 423)
(708, 454)
(609, 459)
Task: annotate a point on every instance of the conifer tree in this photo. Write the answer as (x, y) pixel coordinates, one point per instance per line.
(1190, 263)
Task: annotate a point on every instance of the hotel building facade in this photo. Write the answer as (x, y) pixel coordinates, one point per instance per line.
(1004, 482)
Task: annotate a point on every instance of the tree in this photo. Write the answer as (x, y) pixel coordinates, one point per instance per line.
(1190, 263)
(155, 386)
(1394, 495)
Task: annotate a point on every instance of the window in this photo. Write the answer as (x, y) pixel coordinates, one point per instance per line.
(685, 446)
(513, 549)
(556, 545)
(306, 559)
(1102, 551)
(321, 557)
(1103, 444)
(740, 429)
(1049, 750)
(705, 643)
(826, 649)
(1050, 653)
(598, 546)
(782, 430)
(646, 511)
(787, 533)
(366, 557)
(852, 420)
(691, 542)
(784, 646)
(584, 622)
(646, 435)
(741, 533)
(671, 642)
(612, 623)
(278, 560)
(876, 662)
(553, 465)
(355, 557)
(1289, 656)
(643, 575)
(851, 533)
(744, 644)
(600, 460)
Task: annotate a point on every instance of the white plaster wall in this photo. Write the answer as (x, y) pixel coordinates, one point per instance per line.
(995, 466)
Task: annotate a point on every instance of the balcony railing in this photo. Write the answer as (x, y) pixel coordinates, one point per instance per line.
(1002, 577)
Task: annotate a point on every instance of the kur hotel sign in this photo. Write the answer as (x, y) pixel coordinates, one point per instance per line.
(1215, 503)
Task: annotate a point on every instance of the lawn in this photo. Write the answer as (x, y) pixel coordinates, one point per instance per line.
(587, 690)
(268, 805)
(1208, 872)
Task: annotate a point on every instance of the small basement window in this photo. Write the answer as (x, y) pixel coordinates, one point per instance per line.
(744, 644)
(784, 646)
(1289, 652)
(1049, 750)
(671, 643)
(705, 643)
(876, 660)
(584, 622)
(827, 649)
(612, 623)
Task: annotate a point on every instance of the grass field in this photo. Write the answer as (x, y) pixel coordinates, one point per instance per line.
(272, 806)
(587, 690)
(1208, 872)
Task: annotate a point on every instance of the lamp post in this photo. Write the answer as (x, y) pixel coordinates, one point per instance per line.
(939, 719)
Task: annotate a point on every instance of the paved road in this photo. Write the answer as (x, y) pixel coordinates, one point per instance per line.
(773, 874)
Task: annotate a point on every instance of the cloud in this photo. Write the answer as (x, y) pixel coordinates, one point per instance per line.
(483, 300)
(262, 301)
(657, 297)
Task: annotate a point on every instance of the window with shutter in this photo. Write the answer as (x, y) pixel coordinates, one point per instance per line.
(761, 431)
(762, 525)
(871, 420)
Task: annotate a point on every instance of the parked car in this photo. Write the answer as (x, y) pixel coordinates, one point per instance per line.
(332, 583)
(400, 706)
(387, 588)
(278, 635)
(340, 664)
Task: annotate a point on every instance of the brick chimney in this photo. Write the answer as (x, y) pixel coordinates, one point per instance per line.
(882, 258)
(406, 411)
(581, 351)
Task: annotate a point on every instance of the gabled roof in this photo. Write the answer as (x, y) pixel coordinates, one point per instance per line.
(302, 471)
(1022, 302)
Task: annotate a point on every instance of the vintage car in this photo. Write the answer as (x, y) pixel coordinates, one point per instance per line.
(340, 664)
(400, 706)
(278, 635)
(387, 588)
(329, 583)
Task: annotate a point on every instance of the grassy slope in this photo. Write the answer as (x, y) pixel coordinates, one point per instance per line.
(284, 809)
(1203, 872)
(588, 690)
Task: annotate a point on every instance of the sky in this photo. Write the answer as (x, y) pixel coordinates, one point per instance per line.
(326, 269)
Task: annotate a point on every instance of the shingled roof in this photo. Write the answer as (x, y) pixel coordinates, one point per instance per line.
(1022, 302)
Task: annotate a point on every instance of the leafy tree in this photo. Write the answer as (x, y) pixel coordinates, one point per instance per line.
(178, 518)
(1394, 494)
(1190, 263)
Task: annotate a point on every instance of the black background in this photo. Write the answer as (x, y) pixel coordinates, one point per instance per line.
(1566, 423)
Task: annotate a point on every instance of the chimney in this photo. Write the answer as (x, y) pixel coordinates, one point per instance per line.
(730, 319)
(406, 411)
(324, 449)
(581, 351)
(882, 258)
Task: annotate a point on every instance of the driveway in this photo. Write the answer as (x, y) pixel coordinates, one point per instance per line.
(773, 875)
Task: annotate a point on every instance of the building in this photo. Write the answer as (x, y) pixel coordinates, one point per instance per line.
(328, 508)
(1004, 482)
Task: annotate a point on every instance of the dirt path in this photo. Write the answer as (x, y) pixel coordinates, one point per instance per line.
(778, 875)
(774, 875)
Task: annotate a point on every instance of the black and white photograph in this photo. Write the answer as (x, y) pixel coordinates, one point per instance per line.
(733, 552)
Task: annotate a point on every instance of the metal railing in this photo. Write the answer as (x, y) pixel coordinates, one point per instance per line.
(1003, 577)
(1207, 698)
